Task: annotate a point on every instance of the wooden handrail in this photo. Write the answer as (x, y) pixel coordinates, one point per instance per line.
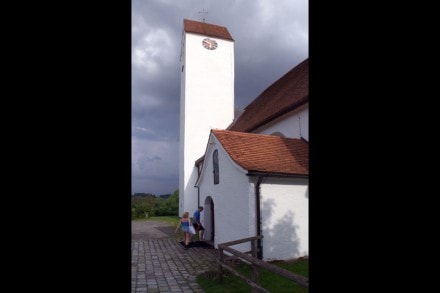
(255, 262)
(224, 244)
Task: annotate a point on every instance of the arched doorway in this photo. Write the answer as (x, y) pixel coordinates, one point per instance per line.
(209, 219)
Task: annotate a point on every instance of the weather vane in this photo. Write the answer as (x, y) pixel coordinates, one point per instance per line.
(204, 11)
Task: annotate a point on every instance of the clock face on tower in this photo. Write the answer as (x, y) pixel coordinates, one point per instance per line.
(209, 44)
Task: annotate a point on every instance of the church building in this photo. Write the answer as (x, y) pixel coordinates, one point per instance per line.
(250, 173)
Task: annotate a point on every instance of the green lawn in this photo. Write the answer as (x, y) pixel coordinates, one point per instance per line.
(268, 280)
(173, 220)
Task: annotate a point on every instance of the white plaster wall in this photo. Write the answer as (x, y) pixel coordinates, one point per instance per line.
(284, 208)
(231, 198)
(182, 181)
(285, 218)
(291, 125)
(207, 101)
(190, 198)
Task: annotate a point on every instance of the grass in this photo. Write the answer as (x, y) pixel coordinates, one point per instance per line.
(173, 220)
(268, 280)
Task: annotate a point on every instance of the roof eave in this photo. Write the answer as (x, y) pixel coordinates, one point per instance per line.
(272, 174)
(295, 105)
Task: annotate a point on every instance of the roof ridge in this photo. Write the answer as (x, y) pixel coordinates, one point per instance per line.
(208, 29)
(259, 134)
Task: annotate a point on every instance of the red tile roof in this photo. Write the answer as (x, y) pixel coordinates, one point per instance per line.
(266, 153)
(286, 94)
(207, 29)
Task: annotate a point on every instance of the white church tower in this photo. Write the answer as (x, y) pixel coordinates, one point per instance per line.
(206, 98)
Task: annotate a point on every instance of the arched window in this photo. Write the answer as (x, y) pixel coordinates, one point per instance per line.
(215, 163)
(278, 134)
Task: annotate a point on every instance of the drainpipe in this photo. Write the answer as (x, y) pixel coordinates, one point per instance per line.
(258, 216)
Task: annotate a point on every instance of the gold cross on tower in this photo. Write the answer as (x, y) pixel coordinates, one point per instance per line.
(204, 11)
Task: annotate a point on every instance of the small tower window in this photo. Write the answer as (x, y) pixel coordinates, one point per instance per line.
(215, 163)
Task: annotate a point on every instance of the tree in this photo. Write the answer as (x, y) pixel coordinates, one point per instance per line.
(155, 206)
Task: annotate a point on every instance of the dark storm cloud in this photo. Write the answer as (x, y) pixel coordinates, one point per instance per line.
(270, 37)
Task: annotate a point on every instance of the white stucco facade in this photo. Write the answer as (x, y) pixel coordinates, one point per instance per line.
(207, 101)
(230, 208)
(230, 198)
(285, 218)
(294, 124)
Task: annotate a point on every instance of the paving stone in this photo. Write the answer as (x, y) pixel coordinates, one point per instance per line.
(160, 265)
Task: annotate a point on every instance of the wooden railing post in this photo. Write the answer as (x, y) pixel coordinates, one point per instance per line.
(220, 256)
(255, 269)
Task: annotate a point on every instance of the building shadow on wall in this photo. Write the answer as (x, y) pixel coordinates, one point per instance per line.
(279, 233)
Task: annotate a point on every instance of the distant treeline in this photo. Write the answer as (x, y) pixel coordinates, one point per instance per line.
(150, 194)
(147, 203)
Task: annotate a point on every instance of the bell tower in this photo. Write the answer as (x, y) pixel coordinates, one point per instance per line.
(206, 98)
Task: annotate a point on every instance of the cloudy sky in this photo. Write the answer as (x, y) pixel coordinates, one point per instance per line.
(271, 37)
